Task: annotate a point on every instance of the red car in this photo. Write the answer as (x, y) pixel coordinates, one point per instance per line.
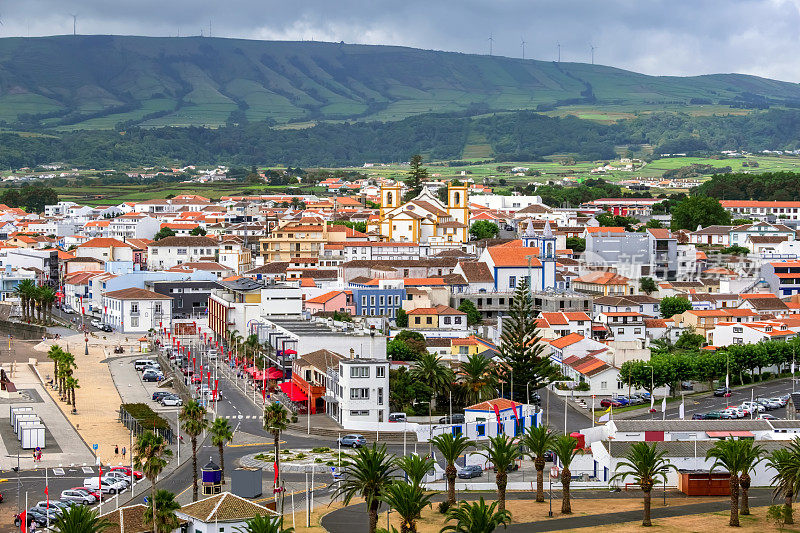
(610, 402)
(90, 491)
(127, 471)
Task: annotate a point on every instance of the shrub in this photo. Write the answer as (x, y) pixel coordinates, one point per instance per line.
(320, 449)
(300, 456)
(317, 460)
(146, 417)
(444, 506)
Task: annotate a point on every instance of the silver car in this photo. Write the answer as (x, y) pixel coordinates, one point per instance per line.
(77, 496)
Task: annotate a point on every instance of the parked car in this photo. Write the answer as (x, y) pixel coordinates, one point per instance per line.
(711, 415)
(536, 398)
(721, 391)
(68, 310)
(549, 456)
(698, 416)
(79, 496)
(106, 328)
(753, 407)
(106, 484)
(354, 440)
(397, 417)
(687, 385)
(609, 402)
(623, 400)
(470, 471)
(767, 417)
(96, 323)
(127, 471)
(512, 467)
(140, 364)
(780, 400)
(152, 376)
(157, 395)
(88, 491)
(119, 476)
(456, 419)
(43, 508)
(35, 514)
(171, 401)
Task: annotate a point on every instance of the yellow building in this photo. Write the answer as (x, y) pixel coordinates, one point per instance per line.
(294, 239)
(425, 219)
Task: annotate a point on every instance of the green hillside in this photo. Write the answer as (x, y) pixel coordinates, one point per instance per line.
(97, 82)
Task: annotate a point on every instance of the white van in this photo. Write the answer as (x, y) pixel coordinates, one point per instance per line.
(141, 364)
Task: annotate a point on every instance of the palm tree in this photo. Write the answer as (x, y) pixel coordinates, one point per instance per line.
(193, 416)
(38, 300)
(476, 517)
(430, 370)
(415, 467)
(501, 451)
(727, 454)
(565, 449)
(786, 463)
(751, 456)
(475, 375)
(164, 518)
(251, 347)
(47, 296)
(646, 465)
(80, 519)
(221, 434)
(71, 383)
(149, 454)
(264, 524)
(276, 421)
(538, 441)
(408, 501)
(55, 353)
(368, 474)
(451, 447)
(25, 291)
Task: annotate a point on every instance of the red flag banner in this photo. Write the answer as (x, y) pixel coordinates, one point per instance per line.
(497, 413)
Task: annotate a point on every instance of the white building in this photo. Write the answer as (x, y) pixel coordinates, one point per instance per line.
(133, 226)
(136, 310)
(172, 251)
(358, 392)
(505, 203)
(222, 513)
(727, 333)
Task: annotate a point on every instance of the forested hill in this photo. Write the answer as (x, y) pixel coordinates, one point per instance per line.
(99, 82)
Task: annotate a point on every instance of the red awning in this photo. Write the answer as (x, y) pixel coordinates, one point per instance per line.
(718, 434)
(293, 392)
(291, 352)
(274, 373)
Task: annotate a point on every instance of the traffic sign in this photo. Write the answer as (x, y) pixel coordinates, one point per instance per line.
(94, 446)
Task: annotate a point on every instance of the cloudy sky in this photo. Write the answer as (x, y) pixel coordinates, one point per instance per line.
(676, 37)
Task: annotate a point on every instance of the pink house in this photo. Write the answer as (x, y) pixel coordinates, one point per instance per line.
(341, 301)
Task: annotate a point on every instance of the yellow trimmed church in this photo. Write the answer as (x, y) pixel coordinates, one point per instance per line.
(425, 219)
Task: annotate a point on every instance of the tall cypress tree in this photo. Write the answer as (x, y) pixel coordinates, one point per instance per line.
(521, 348)
(417, 174)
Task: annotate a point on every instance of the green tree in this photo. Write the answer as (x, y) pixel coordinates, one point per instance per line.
(80, 519)
(689, 340)
(25, 291)
(199, 231)
(401, 318)
(501, 452)
(417, 175)
(430, 369)
(264, 524)
(476, 517)
(408, 501)
(538, 441)
(149, 455)
(451, 447)
(752, 455)
(697, 211)
(483, 229)
(674, 305)
(477, 379)
(616, 221)
(163, 233)
(221, 434)
(727, 454)
(405, 390)
(415, 467)
(398, 350)
(521, 348)
(786, 481)
(576, 244)
(473, 315)
(368, 474)
(565, 448)
(647, 285)
(276, 421)
(164, 518)
(735, 250)
(646, 465)
(35, 197)
(193, 422)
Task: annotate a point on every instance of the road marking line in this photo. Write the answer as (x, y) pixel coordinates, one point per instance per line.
(255, 444)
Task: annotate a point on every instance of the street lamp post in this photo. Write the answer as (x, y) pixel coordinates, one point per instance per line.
(553, 473)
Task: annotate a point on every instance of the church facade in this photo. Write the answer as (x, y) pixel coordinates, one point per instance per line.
(424, 219)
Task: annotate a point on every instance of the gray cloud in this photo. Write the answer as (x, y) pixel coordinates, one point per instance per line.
(667, 37)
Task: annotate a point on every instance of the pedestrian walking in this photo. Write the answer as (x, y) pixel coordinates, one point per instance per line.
(116, 449)
(123, 452)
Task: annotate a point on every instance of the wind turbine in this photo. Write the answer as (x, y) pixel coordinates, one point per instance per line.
(523, 47)
(74, 25)
(593, 48)
(558, 45)
(491, 41)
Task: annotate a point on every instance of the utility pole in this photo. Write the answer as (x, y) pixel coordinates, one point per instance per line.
(74, 25)
(523, 48)
(558, 45)
(593, 48)
(491, 41)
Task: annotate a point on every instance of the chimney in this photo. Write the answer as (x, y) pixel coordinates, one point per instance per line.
(352, 353)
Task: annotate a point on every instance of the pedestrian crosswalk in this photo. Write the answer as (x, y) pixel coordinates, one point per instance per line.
(240, 417)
